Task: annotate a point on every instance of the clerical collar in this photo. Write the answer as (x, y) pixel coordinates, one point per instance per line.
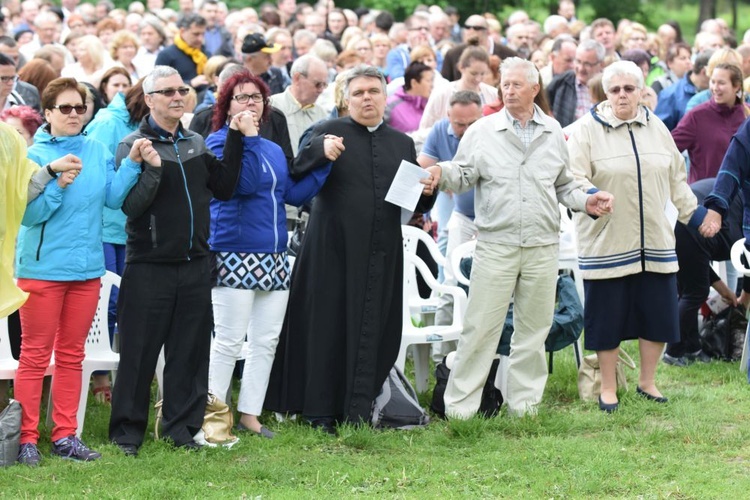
(164, 134)
(373, 129)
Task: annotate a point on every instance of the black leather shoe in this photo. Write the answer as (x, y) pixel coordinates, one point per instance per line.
(655, 399)
(129, 450)
(325, 424)
(608, 407)
(699, 356)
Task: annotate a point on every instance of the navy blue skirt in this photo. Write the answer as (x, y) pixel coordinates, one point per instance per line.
(642, 305)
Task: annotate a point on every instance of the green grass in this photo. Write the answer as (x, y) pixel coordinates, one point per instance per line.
(697, 446)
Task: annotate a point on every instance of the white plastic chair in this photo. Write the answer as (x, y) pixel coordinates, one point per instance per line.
(423, 337)
(457, 255)
(9, 366)
(99, 354)
(735, 255)
(568, 257)
(419, 307)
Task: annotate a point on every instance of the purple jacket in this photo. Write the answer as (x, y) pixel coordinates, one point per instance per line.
(705, 132)
(403, 111)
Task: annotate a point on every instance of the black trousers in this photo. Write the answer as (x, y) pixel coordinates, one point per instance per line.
(163, 305)
(694, 254)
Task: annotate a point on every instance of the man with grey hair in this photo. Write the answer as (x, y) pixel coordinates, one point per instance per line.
(561, 58)
(568, 93)
(165, 297)
(298, 101)
(343, 327)
(518, 40)
(518, 222)
(47, 29)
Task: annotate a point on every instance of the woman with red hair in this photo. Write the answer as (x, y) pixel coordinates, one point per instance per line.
(24, 119)
(249, 241)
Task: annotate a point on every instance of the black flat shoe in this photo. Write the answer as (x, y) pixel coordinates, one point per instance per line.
(129, 450)
(655, 399)
(608, 407)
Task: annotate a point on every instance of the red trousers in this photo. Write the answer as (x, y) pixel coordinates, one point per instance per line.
(57, 316)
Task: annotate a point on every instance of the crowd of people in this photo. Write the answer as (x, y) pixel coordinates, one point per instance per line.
(177, 148)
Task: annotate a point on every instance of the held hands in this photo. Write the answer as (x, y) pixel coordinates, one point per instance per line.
(711, 224)
(143, 151)
(431, 182)
(333, 146)
(67, 162)
(600, 203)
(69, 167)
(66, 178)
(247, 122)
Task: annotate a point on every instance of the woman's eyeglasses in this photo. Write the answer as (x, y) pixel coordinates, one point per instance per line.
(66, 109)
(629, 89)
(245, 98)
(183, 91)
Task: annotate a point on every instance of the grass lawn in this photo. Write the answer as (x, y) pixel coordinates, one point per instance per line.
(696, 446)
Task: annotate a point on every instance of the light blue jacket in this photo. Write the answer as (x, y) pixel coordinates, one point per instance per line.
(61, 234)
(110, 126)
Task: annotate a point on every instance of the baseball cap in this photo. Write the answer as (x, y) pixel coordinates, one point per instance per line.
(255, 42)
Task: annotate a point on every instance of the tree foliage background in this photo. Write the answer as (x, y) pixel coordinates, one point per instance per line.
(649, 12)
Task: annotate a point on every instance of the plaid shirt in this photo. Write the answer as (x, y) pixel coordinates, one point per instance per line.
(583, 99)
(525, 134)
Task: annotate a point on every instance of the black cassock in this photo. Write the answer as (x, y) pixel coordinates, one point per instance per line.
(342, 330)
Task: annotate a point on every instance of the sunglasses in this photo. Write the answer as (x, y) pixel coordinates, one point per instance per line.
(245, 98)
(183, 91)
(66, 109)
(629, 89)
(475, 28)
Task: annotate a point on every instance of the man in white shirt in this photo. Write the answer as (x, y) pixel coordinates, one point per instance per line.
(297, 102)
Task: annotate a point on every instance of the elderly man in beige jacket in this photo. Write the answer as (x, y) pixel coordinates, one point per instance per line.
(518, 162)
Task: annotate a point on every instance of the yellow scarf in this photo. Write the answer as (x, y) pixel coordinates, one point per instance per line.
(198, 57)
(15, 172)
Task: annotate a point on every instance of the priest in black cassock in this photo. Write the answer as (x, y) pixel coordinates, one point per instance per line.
(342, 330)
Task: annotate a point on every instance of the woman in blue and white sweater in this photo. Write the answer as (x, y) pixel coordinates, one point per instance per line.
(249, 241)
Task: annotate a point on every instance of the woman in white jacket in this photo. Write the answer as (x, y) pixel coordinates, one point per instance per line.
(628, 258)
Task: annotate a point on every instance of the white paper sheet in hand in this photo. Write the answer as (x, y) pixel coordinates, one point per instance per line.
(406, 189)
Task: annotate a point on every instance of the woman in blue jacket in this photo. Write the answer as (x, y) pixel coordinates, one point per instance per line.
(249, 241)
(59, 262)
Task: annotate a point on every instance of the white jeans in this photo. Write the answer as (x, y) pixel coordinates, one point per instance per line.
(259, 316)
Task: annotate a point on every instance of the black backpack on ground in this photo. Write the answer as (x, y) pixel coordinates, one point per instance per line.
(397, 406)
(492, 398)
(723, 335)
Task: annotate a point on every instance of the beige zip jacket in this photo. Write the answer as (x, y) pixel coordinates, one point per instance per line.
(517, 189)
(637, 161)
